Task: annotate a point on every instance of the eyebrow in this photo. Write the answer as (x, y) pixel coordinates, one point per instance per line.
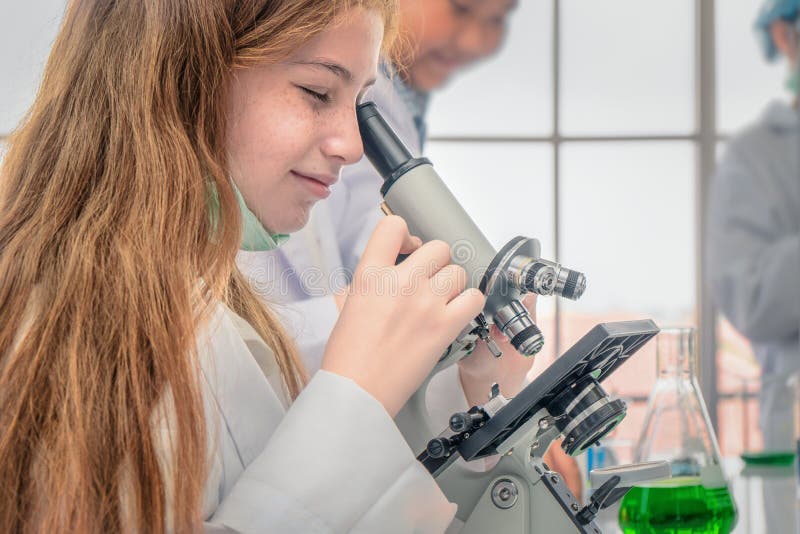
(334, 67)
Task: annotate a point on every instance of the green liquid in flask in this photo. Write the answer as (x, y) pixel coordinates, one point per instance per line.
(677, 506)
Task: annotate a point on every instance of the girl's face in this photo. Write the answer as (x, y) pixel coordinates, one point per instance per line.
(292, 125)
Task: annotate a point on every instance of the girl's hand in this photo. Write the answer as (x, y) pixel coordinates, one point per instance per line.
(397, 320)
(481, 369)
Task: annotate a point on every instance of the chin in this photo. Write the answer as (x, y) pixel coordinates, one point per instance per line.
(427, 80)
(293, 224)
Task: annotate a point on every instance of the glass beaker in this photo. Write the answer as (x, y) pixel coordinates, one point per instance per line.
(768, 409)
(677, 429)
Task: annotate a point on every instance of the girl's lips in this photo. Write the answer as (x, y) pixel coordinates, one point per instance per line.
(317, 187)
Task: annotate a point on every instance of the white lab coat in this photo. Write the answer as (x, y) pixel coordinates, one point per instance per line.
(297, 281)
(754, 254)
(333, 461)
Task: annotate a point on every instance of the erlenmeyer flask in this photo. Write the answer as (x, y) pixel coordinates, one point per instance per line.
(677, 429)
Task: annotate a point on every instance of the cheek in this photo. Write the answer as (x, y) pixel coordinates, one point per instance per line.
(266, 141)
(433, 28)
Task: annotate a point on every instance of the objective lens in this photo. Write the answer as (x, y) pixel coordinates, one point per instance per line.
(540, 278)
(570, 284)
(515, 323)
(545, 277)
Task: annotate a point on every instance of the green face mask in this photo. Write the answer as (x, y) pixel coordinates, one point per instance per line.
(254, 236)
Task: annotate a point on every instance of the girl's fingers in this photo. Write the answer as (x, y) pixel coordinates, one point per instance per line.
(464, 308)
(386, 242)
(427, 260)
(449, 282)
(410, 244)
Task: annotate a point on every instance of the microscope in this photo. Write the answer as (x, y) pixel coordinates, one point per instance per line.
(519, 494)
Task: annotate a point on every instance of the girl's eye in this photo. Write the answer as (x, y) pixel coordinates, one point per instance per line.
(322, 97)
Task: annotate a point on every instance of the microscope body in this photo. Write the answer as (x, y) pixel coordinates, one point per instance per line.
(518, 493)
(413, 190)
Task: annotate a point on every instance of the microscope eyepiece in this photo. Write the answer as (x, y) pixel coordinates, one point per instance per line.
(387, 153)
(381, 145)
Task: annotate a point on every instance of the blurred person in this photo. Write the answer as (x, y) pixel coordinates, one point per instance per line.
(443, 38)
(754, 230)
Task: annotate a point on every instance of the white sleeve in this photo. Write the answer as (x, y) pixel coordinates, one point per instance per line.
(445, 396)
(755, 266)
(336, 463)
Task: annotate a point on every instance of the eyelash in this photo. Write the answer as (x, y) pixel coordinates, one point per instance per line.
(324, 98)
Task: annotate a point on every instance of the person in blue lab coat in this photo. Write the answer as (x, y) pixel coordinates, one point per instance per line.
(754, 230)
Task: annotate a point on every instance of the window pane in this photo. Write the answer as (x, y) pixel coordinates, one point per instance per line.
(506, 188)
(27, 30)
(627, 221)
(508, 191)
(510, 94)
(627, 66)
(745, 81)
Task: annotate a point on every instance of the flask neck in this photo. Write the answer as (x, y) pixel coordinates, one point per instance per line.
(675, 351)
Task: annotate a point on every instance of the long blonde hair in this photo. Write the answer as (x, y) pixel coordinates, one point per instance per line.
(110, 263)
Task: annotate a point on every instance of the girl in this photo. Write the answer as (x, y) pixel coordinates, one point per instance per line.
(143, 386)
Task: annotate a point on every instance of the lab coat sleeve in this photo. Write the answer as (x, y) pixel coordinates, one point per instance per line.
(336, 463)
(356, 208)
(445, 396)
(754, 267)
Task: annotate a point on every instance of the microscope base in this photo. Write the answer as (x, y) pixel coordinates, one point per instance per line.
(527, 500)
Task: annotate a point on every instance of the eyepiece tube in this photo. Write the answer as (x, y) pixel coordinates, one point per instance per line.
(413, 190)
(383, 148)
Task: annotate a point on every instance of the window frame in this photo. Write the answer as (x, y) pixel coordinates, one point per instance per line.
(704, 138)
